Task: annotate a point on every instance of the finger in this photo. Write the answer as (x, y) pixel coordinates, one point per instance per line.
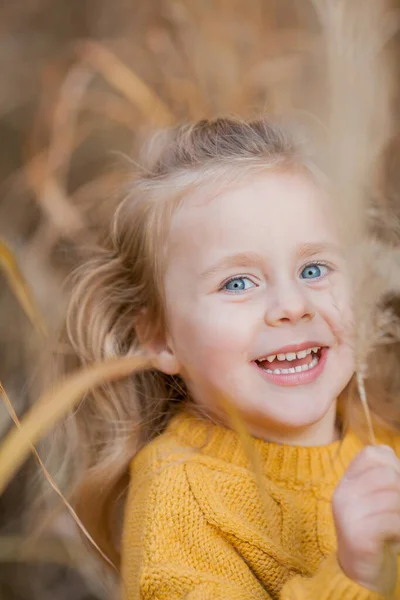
(386, 527)
(376, 479)
(370, 457)
(380, 503)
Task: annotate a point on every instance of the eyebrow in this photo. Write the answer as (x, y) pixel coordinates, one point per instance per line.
(242, 259)
(253, 259)
(311, 249)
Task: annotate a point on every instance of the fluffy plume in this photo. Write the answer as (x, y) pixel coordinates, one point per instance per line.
(359, 92)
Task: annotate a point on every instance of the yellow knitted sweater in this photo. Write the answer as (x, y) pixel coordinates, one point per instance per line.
(196, 528)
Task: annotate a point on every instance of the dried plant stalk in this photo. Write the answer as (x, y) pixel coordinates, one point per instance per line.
(21, 290)
(359, 117)
(55, 404)
(127, 83)
(53, 484)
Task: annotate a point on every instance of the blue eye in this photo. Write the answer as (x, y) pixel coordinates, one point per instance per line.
(238, 284)
(314, 271)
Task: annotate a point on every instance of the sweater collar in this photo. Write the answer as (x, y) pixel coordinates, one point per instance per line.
(307, 466)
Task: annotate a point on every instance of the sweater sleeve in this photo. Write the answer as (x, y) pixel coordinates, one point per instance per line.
(170, 551)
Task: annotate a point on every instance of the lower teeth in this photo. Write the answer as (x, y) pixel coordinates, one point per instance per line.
(311, 365)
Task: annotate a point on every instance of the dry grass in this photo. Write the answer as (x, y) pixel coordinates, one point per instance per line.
(81, 92)
(96, 84)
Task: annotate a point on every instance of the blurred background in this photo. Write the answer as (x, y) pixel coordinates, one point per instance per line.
(82, 83)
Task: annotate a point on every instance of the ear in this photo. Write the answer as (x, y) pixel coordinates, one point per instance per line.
(159, 346)
(166, 359)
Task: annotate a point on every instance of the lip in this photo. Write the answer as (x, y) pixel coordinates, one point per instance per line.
(293, 379)
(295, 348)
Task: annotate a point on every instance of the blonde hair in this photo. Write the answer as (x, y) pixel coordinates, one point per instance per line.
(122, 279)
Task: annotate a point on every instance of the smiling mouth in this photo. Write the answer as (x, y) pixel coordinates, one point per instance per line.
(291, 362)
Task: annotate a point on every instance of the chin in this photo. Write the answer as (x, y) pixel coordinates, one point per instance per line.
(305, 416)
(288, 412)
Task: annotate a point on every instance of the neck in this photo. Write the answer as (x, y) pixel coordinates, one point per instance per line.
(321, 433)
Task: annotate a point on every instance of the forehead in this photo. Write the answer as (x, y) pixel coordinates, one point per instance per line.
(272, 211)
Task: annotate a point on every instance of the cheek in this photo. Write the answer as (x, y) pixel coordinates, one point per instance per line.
(212, 337)
(335, 308)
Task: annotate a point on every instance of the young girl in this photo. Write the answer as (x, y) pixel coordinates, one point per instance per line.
(223, 262)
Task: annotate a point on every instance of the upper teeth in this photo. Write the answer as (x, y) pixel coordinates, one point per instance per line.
(290, 355)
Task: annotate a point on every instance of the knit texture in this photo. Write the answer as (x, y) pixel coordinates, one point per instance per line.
(196, 527)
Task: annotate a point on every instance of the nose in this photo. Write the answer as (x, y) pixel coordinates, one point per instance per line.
(289, 304)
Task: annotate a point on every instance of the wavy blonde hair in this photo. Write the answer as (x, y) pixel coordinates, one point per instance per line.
(123, 279)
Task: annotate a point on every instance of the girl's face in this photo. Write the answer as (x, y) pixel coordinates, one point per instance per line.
(258, 307)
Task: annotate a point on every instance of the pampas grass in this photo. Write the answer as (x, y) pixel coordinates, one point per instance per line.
(54, 405)
(241, 60)
(359, 124)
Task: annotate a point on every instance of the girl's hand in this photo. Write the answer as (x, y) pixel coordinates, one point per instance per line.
(366, 511)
